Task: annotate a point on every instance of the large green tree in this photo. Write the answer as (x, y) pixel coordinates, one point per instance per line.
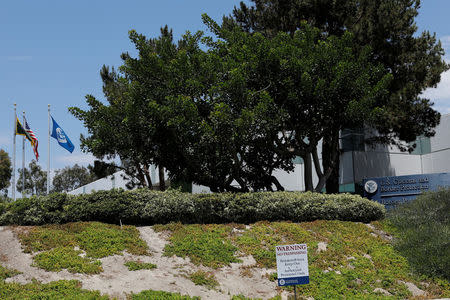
(227, 117)
(415, 61)
(233, 147)
(5, 170)
(173, 106)
(311, 81)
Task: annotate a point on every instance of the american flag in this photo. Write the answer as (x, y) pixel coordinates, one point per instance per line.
(34, 141)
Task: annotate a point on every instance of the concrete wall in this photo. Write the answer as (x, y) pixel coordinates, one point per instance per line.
(197, 189)
(436, 162)
(292, 181)
(389, 161)
(441, 141)
(110, 182)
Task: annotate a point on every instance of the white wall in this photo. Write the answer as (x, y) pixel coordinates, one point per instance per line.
(198, 189)
(110, 182)
(441, 140)
(292, 181)
(437, 162)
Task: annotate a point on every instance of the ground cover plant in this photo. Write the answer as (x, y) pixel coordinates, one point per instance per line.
(62, 246)
(346, 259)
(204, 278)
(60, 258)
(7, 273)
(139, 265)
(422, 230)
(203, 244)
(242, 297)
(62, 289)
(353, 261)
(160, 295)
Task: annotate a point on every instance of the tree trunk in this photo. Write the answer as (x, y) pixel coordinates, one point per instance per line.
(308, 172)
(332, 185)
(162, 182)
(277, 183)
(330, 160)
(321, 175)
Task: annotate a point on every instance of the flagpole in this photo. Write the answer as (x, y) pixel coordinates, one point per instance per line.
(23, 159)
(48, 153)
(14, 155)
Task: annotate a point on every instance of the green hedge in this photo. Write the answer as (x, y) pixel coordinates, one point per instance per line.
(423, 232)
(151, 207)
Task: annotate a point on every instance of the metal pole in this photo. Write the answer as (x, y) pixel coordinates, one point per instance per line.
(48, 153)
(14, 155)
(295, 292)
(23, 159)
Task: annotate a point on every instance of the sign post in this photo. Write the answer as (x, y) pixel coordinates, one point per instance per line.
(292, 265)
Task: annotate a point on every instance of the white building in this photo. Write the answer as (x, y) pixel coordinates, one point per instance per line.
(432, 155)
(358, 161)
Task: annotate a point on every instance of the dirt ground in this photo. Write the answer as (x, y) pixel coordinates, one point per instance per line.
(170, 275)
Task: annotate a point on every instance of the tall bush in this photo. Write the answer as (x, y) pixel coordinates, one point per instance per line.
(424, 232)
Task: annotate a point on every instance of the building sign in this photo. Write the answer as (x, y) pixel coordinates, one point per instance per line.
(292, 264)
(397, 189)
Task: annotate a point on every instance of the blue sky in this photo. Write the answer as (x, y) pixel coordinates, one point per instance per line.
(51, 53)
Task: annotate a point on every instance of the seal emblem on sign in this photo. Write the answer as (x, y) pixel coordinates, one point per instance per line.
(371, 186)
(282, 282)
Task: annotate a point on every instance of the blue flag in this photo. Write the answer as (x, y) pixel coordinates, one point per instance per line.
(61, 137)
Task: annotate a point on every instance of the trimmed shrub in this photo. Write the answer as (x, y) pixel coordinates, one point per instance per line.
(35, 210)
(153, 207)
(423, 232)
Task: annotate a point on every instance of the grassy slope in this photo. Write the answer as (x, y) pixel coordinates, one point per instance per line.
(356, 261)
(96, 239)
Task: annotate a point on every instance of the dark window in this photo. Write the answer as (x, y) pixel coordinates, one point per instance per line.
(352, 140)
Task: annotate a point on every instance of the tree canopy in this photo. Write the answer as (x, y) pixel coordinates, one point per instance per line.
(317, 83)
(415, 61)
(166, 109)
(227, 117)
(227, 110)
